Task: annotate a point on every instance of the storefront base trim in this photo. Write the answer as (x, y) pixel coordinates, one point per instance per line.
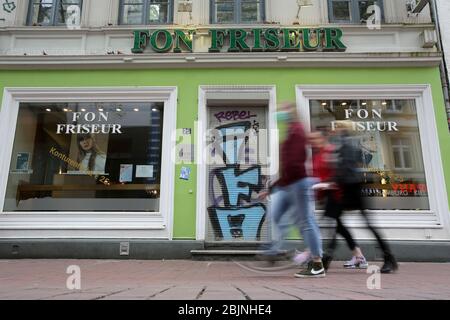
(98, 249)
(405, 251)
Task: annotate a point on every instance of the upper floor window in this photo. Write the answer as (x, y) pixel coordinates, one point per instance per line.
(402, 151)
(353, 11)
(146, 11)
(53, 12)
(237, 11)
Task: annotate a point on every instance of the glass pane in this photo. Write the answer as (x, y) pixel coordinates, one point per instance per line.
(407, 157)
(341, 10)
(397, 158)
(390, 149)
(86, 157)
(225, 11)
(74, 8)
(133, 12)
(42, 12)
(158, 12)
(363, 6)
(404, 106)
(250, 11)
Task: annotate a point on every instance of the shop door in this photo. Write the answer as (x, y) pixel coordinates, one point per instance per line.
(237, 174)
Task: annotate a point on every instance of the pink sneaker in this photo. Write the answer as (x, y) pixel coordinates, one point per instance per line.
(302, 258)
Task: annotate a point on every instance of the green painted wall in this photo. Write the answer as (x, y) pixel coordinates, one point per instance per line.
(189, 80)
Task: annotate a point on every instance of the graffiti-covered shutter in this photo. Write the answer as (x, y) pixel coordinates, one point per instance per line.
(237, 173)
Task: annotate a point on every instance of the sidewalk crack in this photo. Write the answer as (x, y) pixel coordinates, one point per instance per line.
(162, 291)
(112, 293)
(283, 292)
(57, 295)
(246, 296)
(200, 293)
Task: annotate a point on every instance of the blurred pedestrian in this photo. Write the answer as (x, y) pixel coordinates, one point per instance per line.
(292, 191)
(324, 168)
(349, 180)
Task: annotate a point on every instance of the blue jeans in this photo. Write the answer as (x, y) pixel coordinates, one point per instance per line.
(295, 202)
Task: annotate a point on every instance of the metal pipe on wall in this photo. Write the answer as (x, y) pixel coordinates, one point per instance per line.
(443, 64)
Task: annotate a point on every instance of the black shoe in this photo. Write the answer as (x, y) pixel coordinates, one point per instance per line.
(314, 270)
(326, 260)
(390, 264)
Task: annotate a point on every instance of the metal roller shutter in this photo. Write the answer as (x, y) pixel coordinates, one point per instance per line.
(237, 151)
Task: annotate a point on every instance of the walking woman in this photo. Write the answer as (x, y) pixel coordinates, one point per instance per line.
(349, 180)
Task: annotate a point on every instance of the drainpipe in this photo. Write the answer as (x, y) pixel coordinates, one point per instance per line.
(442, 66)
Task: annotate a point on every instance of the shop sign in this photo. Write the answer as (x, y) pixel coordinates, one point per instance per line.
(241, 40)
(368, 121)
(94, 123)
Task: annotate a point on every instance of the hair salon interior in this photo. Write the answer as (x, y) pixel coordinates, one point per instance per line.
(112, 113)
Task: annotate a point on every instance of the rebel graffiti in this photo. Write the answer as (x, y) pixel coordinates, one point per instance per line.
(234, 212)
(234, 115)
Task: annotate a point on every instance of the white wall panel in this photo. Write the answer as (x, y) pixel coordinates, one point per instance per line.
(100, 33)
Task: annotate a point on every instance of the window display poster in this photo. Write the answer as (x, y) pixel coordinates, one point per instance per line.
(126, 173)
(144, 171)
(372, 150)
(23, 161)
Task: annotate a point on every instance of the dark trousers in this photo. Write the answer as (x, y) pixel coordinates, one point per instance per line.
(351, 200)
(333, 209)
(343, 231)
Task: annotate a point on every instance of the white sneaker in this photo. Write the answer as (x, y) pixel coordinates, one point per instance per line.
(356, 263)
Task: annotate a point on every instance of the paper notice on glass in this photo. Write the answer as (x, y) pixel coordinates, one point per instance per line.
(23, 159)
(185, 153)
(126, 173)
(144, 171)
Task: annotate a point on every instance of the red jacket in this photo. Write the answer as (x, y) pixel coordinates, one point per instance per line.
(293, 156)
(323, 168)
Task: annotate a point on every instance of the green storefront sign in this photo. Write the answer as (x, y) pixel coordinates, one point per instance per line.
(241, 40)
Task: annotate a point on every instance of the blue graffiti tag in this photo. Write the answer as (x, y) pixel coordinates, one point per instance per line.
(9, 6)
(235, 219)
(238, 184)
(239, 222)
(233, 136)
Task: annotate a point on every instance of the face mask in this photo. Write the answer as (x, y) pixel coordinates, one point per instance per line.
(283, 116)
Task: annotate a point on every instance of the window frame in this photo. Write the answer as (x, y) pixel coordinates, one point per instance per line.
(145, 15)
(435, 217)
(237, 13)
(53, 23)
(355, 17)
(146, 225)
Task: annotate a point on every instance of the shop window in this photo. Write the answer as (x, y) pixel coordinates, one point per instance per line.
(53, 12)
(387, 134)
(93, 157)
(144, 12)
(237, 11)
(352, 11)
